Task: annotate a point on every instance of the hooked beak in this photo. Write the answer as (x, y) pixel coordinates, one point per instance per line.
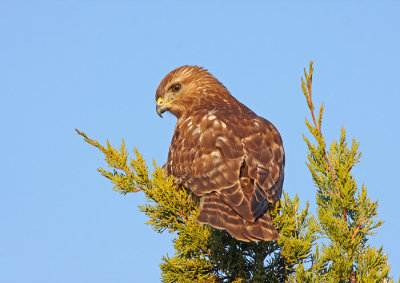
(161, 107)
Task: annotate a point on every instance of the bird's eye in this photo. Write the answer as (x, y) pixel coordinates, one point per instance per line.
(176, 88)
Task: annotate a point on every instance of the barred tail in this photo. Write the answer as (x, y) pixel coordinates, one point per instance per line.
(218, 214)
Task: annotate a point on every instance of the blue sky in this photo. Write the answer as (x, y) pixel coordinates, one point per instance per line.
(95, 66)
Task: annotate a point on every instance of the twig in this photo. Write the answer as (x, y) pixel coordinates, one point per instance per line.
(319, 132)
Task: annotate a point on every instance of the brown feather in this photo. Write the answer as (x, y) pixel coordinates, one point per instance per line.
(224, 153)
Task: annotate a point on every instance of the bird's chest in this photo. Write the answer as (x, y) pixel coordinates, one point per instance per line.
(183, 148)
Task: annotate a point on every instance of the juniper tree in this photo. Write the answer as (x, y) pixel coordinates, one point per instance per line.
(204, 253)
(346, 218)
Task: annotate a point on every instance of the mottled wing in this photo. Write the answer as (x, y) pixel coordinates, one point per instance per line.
(265, 159)
(211, 148)
(205, 155)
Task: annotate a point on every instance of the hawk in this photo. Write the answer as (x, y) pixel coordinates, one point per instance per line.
(224, 153)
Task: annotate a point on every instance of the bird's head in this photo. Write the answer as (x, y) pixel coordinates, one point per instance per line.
(182, 87)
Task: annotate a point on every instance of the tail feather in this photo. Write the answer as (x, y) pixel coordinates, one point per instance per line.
(218, 214)
(262, 228)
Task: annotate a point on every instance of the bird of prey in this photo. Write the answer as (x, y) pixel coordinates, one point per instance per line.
(224, 153)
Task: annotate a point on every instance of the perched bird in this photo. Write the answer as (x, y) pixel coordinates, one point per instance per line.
(224, 153)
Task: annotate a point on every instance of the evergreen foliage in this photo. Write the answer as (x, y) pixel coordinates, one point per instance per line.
(332, 248)
(202, 253)
(346, 216)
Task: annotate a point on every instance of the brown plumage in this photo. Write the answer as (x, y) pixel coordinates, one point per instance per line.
(224, 153)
